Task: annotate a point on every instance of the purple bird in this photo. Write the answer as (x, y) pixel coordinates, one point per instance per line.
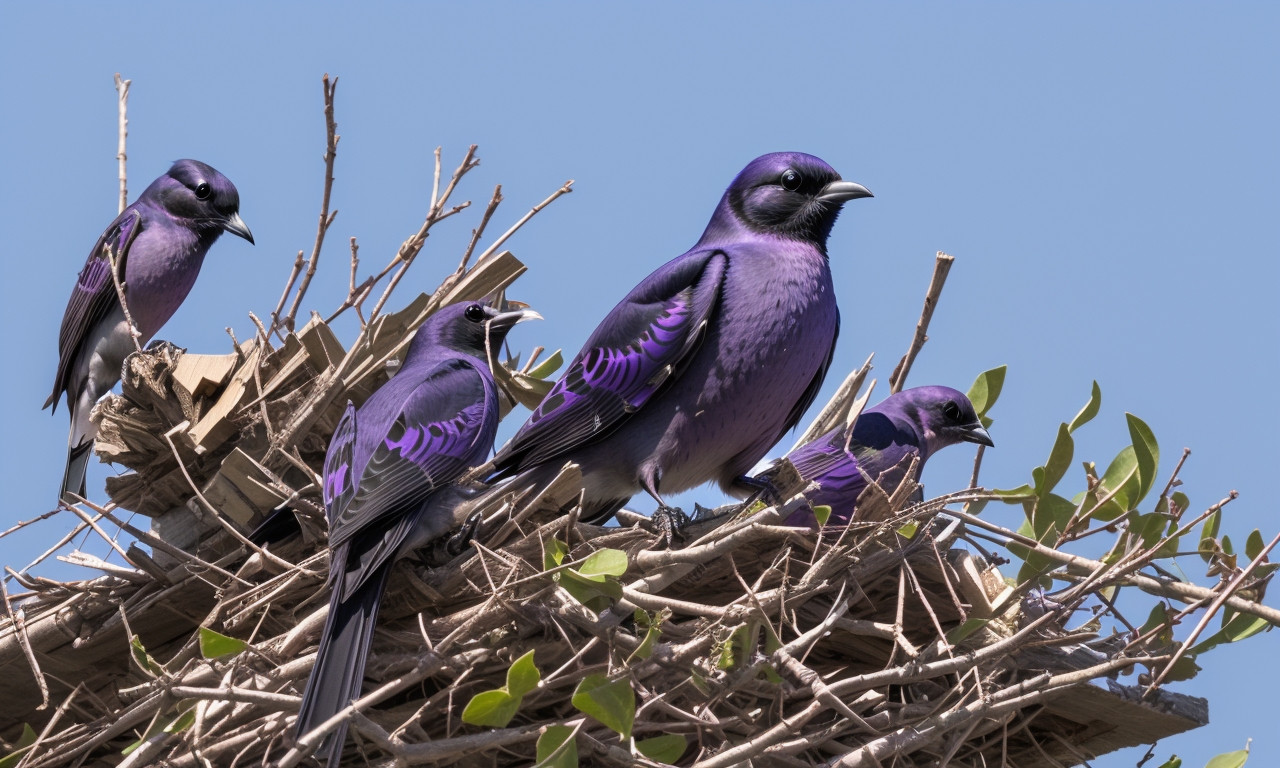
(160, 242)
(387, 476)
(914, 422)
(709, 360)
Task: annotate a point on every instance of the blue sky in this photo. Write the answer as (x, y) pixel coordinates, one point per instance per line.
(1103, 174)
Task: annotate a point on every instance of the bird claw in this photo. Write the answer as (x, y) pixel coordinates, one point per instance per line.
(446, 548)
(461, 539)
(670, 524)
(764, 490)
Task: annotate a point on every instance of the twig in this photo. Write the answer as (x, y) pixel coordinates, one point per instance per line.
(1227, 591)
(565, 189)
(276, 325)
(326, 218)
(122, 107)
(940, 269)
(20, 629)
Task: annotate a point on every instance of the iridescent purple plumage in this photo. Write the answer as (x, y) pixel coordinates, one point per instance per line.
(387, 462)
(707, 362)
(160, 242)
(914, 422)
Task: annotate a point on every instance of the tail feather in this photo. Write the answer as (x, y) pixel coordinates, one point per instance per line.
(73, 476)
(339, 669)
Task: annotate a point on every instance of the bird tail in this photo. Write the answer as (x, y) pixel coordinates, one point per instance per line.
(73, 476)
(339, 669)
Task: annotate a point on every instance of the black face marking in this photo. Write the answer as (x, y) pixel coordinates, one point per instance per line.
(951, 410)
(474, 313)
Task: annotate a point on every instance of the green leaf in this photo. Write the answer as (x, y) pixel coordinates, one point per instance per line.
(182, 722)
(986, 389)
(1121, 474)
(962, 631)
(1254, 545)
(554, 552)
(175, 724)
(1173, 762)
(908, 529)
(1089, 410)
(1015, 495)
(215, 645)
(823, 513)
(143, 659)
(556, 749)
(20, 748)
(1229, 759)
(523, 676)
(604, 562)
(1059, 461)
(596, 595)
(612, 703)
(547, 367)
(663, 749)
(1240, 626)
(1184, 668)
(1054, 512)
(1158, 618)
(1211, 524)
(493, 708)
(1180, 502)
(1147, 453)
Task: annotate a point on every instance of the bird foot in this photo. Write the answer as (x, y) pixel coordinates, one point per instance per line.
(762, 489)
(670, 524)
(168, 349)
(461, 539)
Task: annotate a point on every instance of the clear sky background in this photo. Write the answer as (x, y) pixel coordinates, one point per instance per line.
(1105, 175)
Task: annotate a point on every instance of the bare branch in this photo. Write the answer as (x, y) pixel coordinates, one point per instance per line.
(941, 266)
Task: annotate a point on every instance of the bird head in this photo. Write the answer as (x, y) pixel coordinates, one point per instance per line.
(197, 193)
(789, 194)
(945, 416)
(464, 328)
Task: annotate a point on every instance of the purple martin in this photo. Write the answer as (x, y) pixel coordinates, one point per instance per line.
(706, 363)
(159, 241)
(387, 477)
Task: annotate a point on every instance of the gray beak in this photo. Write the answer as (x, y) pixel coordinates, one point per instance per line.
(505, 321)
(236, 226)
(976, 433)
(840, 191)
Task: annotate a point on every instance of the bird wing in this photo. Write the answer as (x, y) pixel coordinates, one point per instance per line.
(94, 296)
(815, 384)
(444, 426)
(643, 343)
(338, 485)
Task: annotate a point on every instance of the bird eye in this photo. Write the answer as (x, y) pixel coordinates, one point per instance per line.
(203, 190)
(951, 410)
(474, 313)
(791, 180)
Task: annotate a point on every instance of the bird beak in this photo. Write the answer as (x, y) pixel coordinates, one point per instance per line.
(839, 191)
(505, 321)
(976, 433)
(236, 226)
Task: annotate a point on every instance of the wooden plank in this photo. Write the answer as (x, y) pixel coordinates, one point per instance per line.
(242, 490)
(204, 375)
(217, 425)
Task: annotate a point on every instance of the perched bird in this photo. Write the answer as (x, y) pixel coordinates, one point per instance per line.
(707, 362)
(387, 476)
(159, 243)
(914, 422)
